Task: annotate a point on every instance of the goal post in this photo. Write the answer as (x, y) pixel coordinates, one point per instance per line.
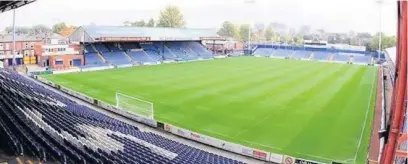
(135, 105)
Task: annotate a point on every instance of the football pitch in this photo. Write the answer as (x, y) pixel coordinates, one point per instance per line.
(312, 110)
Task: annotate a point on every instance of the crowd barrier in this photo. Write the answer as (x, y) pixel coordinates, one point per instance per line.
(66, 71)
(96, 68)
(169, 61)
(236, 148)
(220, 56)
(124, 66)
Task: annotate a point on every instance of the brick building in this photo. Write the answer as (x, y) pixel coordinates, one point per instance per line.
(24, 49)
(57, 53)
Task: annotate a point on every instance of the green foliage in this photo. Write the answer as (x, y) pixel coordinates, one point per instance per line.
(298, 39)
(40, 29)
(19, 30)
(243, 31)
(172, 17)
(286, 39)
(151, 23)
(35, 30)
(269, 33)
(58, 27)
(386, 42)
(228, 29)
(140, 23)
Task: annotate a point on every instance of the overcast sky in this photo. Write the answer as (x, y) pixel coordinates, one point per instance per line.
(331, 15)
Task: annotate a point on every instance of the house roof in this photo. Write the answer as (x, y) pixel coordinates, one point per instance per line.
(94, 33)
(24, 37)
(9, 38)
(126, 31)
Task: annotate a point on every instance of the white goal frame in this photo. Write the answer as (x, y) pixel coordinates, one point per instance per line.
(148, 103)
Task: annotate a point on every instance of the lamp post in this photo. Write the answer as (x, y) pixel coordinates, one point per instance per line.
(380, 3)
(249, 2)
(14, 38)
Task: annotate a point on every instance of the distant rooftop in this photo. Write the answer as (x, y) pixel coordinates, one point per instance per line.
(97, 33)
(25, 37)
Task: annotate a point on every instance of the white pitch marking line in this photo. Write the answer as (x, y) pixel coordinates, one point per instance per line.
(365, 120)
(245, 130)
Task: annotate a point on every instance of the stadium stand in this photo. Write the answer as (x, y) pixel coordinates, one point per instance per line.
(112, 47)
(266, 52)
(116, 58)
(362, 59)
(141, 57)
(282, 53)
(300, 54)
(130, 46)
(43, 124)
(152, 51)
(101, 48)
(89, 49)
(339, 57)
(182, 50)
(93, 60)
(320, 56)
(199, 48)
(165, 51)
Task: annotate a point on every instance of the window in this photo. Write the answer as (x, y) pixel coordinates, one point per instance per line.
(58, 62)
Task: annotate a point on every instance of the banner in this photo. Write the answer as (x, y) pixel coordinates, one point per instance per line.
(124, 66)
(66, 71)
(96, 68)
(228, 146)
(288, 160)
(293, 160)
(125, 39)
(276, 158)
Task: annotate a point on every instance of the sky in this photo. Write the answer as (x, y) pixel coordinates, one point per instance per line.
(330, 15)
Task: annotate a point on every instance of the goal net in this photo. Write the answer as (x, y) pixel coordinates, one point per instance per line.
(134, 105)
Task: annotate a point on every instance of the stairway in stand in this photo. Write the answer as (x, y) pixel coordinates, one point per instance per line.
(100, 55)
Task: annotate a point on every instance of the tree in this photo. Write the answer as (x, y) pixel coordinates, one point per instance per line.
(140, 23)
(276, 38)
(40, 29)
(127, 23)
(172, 17)
(67, 31)
(243, 31)
(286, 39)
(58, 27)
(386, 42)
(19, 30)
(151, 23)
(269, 33)
(228, 29)
(298, 39)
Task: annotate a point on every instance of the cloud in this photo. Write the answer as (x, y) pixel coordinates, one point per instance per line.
(331, 15)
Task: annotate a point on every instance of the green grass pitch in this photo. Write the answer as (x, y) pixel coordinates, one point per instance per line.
(312, 110)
